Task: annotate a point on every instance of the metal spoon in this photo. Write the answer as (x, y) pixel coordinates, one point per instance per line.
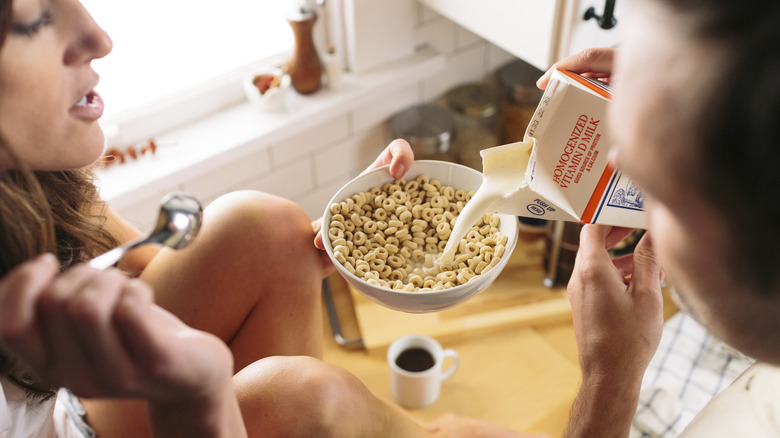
(177, 225)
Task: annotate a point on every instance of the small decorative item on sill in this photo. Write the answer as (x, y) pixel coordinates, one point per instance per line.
(305, 67)
(475, 107)
(430, 131)
(266, 87)
(117, 155)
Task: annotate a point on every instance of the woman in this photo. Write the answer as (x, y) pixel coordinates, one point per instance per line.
(245, 290)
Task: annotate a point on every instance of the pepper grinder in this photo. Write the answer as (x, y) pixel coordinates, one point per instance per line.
(305, 68)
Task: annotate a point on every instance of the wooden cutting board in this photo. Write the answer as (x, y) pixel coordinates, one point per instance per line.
(516, 298)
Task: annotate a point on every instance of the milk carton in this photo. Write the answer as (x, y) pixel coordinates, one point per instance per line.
(567, 175)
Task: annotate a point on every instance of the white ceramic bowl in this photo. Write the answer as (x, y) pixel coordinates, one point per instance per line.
(455, 175)
(271, 100)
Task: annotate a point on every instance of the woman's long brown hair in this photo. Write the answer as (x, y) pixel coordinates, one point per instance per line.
(57, 212)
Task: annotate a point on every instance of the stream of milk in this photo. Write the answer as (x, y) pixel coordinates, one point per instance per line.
(503, 173)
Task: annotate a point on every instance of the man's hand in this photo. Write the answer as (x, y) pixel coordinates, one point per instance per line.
(592, 63)
(617, 312)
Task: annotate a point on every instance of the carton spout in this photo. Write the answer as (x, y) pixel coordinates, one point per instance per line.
(505, 183)
(504, 167)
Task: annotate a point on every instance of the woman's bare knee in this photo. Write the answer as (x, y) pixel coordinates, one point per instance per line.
(302, 396)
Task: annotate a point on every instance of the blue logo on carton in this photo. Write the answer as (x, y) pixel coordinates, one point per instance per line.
(628, 195)
(535, 209)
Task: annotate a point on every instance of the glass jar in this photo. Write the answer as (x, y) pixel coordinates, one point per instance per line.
(429, 129)
(475, 107)
(519, 98)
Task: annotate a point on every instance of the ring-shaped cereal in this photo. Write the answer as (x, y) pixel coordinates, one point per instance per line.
(416, 280)
(359, 238)
(376, 264)
(381, 253)
(411, 244)
(361, 269)
(428, 214)
(400, 196)
(370, 227)
(380, 214)
(472, 248)
(335, 233)
(395, 261)
(389, 204)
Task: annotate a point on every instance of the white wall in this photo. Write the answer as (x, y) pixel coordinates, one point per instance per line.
(311, 166)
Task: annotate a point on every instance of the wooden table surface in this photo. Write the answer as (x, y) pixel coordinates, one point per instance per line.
(520, 371)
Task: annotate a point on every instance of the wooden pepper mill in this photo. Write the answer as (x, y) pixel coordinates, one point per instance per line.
(305, 68)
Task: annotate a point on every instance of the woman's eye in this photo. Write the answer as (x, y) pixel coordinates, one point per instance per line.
(33, 27)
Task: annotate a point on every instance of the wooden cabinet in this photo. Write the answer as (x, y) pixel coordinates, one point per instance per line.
(537, 31)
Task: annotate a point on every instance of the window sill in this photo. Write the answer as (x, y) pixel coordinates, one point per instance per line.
(193, 150)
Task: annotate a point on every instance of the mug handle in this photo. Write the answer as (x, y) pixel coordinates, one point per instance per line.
(449, 352)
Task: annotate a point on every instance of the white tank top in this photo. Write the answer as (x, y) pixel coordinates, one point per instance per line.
(22, 417)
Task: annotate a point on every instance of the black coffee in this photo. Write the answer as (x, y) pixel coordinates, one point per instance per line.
(415, 360)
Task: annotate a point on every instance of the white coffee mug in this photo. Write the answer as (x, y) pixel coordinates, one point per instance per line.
(416, 369)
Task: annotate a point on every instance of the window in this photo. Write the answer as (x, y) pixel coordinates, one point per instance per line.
(167, 48)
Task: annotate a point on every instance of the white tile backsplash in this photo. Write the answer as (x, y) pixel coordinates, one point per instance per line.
(229, 176)
(465, 65)
(349, 157)
(466, 38)
(497, 57)
(424, 13)
(311, 140)
(437, 33)
(279, 182)
(310, 166)
(384, 107)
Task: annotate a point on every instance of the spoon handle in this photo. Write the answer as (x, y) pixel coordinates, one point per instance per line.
(110, 258)
(107, 259)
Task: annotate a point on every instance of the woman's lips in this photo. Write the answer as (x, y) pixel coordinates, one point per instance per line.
(90, 107)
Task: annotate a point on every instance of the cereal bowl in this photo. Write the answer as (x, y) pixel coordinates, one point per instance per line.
(449, 174)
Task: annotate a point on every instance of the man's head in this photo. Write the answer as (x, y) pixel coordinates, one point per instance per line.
(697, 120)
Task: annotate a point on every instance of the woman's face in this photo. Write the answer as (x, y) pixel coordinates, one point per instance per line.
(48, 106)
(660, 75)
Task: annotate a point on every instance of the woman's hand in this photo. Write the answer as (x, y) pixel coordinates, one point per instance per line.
(592, 63)
(617, 312)
(99, 334)
(398, 154)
